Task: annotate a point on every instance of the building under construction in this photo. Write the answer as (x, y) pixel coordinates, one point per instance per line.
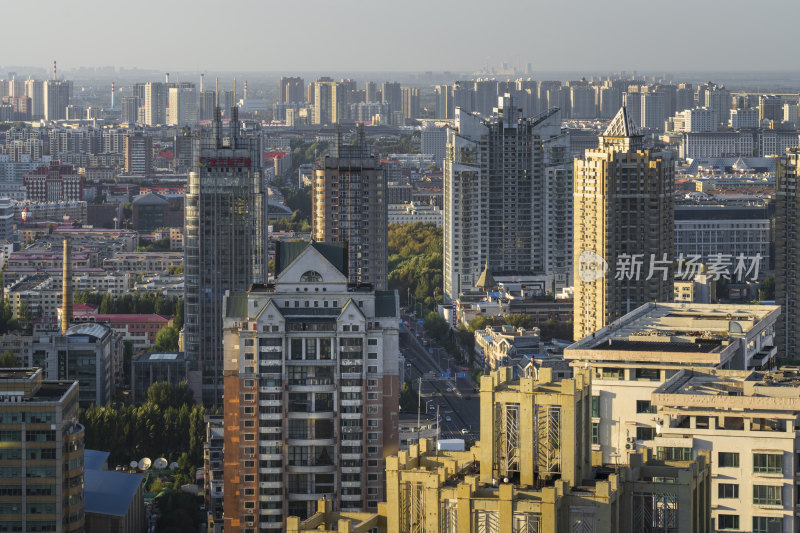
(225, 241)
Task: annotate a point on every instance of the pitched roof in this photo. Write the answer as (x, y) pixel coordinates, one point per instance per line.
(287, 252)
(621, 125)
(486, 281)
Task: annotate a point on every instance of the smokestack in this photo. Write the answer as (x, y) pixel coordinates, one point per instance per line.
(112, 95)
(166, 78)
(55, 76)
(66, 289)
(245, 90)
(201, 82)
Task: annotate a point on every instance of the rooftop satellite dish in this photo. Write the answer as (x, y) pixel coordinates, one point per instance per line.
(173, 465)
(145, 463)
(134, 464)
(160, 463)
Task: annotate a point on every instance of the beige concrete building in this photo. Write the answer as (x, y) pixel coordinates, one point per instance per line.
(530, 472)
(748, 422)
(635, 354)
(311, 395)
(503, 345)
(623, 227)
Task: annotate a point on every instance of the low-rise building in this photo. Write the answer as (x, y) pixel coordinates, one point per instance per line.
(635, 354)
(530, 472)
(143, 262)
(87, 353)
(747, 421)
(506, 345)
(409, 213)
(149, 368)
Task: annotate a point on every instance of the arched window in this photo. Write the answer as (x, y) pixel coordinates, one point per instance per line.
(311, 276)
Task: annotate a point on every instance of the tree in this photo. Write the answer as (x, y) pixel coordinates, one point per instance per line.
(767, 289)
(24, 311)
(518, 320)
(107, 304)
(8, 360)
(167, 339)
(435, 326)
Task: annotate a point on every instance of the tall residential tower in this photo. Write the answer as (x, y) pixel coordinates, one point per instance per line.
(349, 206)
(495, 194)
(624, 226)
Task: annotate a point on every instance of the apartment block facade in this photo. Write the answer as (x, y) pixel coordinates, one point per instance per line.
(311, 383)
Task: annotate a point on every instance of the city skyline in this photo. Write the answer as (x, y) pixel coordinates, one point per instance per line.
(422, 36)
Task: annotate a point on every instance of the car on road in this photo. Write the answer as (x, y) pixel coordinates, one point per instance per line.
(448, 419)
(464, 431)
(432, 407)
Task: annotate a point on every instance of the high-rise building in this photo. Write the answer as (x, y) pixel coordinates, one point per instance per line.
(34, 89)
(292, 90)
(311, 390)
(139, 154)
(652, 110)
(434, 141)
(182, 108)
(42, 453)
(371, 92)
(130, 109)
(349, 206)
(56, 95)
(207, 105)
(390, 92)
(410, 102)
(787, 252)
(155, 104)
(328, 98)
(494, 194)
(225, 242)
(623, 227)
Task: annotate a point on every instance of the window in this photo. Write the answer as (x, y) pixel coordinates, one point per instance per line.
(767, 494)
(613, 373)
(645, 433)
(728, 459)
(728, 490)
(767, 463)
(595, 432)
(664, 453)
(595, 406)
(728, 521)
(372, 342)
(644, 406)
(761, 523)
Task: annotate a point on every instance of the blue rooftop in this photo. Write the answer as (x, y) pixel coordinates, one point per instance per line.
(108, 492)
(94, 459)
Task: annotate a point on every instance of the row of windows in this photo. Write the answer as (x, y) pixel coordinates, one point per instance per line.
(760, 523)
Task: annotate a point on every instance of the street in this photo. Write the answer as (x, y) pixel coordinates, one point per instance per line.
(455, 397)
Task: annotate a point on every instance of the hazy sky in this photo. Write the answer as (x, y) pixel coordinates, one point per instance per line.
(380, 35)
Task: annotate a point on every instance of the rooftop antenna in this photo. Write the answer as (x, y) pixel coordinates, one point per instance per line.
(234, 117)
(217, 124)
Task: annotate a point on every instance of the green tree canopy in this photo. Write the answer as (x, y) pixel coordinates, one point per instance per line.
(8, 360)
(167, 339)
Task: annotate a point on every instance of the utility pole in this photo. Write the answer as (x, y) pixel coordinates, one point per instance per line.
(419, 407)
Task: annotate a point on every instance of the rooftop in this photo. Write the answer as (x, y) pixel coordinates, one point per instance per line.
(108, 492)
(699, 331)
(732, 390)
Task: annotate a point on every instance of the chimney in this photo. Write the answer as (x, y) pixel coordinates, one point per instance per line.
(66, 289)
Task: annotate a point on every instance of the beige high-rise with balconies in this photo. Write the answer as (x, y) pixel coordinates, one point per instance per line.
(623, 227)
